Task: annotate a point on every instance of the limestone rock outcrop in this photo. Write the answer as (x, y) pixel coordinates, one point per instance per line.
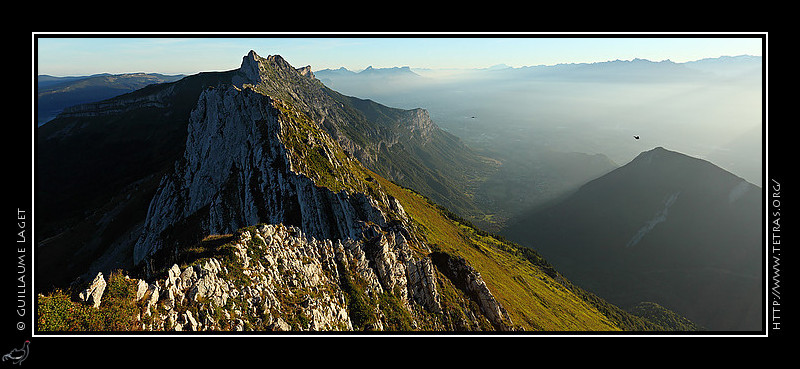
(277, 278)
(236, 172)
(469, 280)
(94, 292)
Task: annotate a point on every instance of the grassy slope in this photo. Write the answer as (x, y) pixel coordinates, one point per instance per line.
(533, 299)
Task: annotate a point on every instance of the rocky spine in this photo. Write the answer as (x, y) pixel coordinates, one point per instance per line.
(257, 159)
(276, 278)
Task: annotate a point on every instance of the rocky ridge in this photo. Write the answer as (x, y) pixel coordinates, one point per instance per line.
(275, 278)
(123, 146)
(255, 156)
(275, 77)
(255, 153)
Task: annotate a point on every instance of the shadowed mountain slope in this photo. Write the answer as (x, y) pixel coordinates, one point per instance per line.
(665, 228)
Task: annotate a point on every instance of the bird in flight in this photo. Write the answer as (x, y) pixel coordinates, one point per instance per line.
(636, 137)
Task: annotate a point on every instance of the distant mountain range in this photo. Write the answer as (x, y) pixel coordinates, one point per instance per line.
(56, 93)
(725, 66)
(328, 75)
(729, 65)
(651, 71)
(637, 68)
(666, 228)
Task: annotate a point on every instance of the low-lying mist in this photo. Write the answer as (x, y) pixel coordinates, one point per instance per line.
(711, 110)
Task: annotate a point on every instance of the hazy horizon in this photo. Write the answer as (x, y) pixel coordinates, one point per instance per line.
(716, 121)
(419, 70)
(62, 55)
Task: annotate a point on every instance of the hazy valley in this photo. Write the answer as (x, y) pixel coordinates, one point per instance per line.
(709, 109)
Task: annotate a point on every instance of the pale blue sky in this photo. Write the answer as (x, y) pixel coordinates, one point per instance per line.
(84, 54)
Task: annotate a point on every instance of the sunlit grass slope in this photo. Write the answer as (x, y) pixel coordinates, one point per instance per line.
(533, 299)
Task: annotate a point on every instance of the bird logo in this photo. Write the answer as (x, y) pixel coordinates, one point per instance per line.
(18, 355)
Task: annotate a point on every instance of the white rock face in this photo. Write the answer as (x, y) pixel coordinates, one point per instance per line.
(236, 172)
(470, 281)
(279, 274)
(94, 292)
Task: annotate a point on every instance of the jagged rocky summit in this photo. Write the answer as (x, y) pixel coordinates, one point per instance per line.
(257, 152)
(251, 157)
